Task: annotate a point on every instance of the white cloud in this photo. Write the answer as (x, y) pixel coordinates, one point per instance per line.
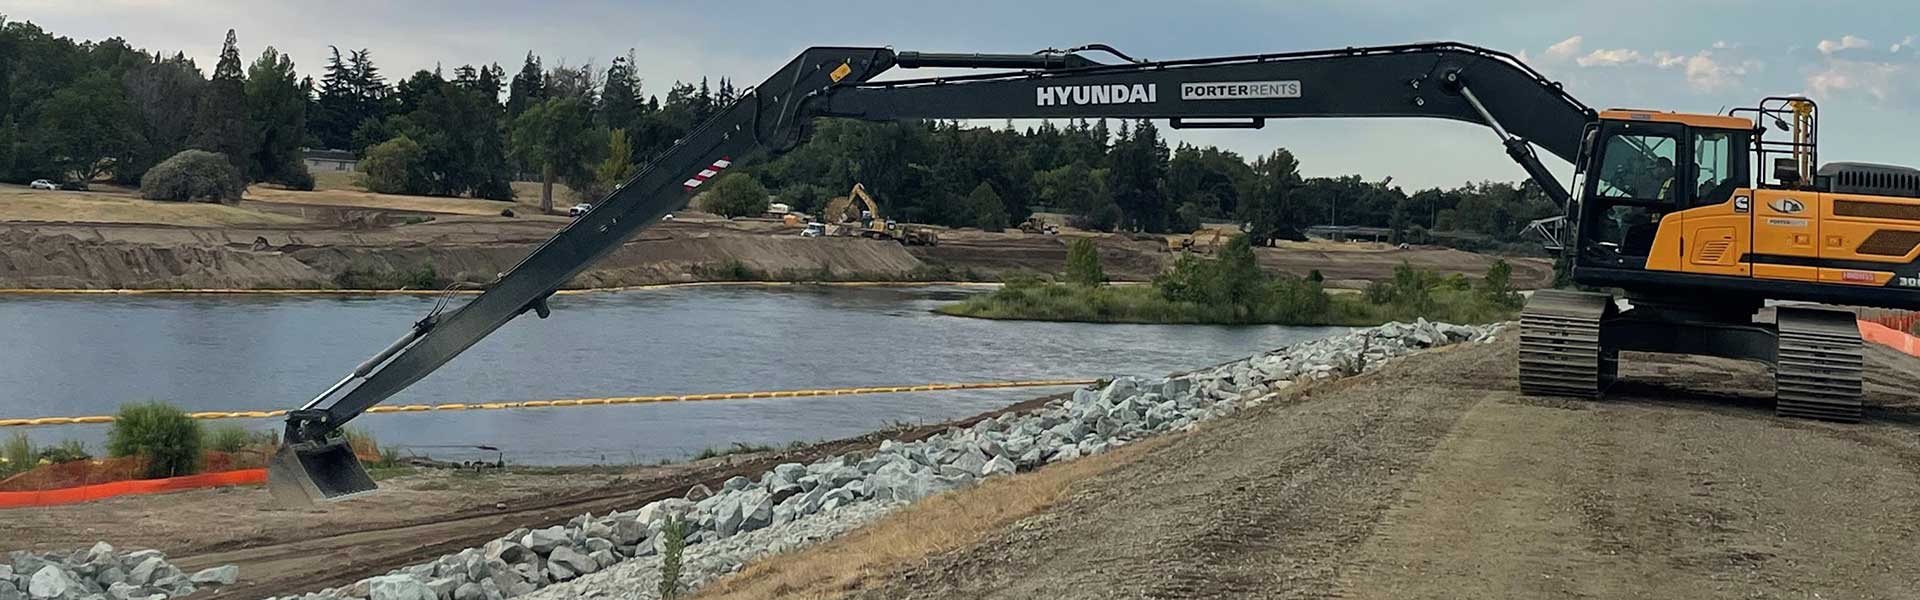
(1846, 42)
(1565, 49)
(1905, 42)
(1705, 74)
(1610, 58)
(1721, 45)
(1668, 60)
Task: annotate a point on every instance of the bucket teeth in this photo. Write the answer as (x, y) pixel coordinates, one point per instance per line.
(1560, 345)
(1818, 372)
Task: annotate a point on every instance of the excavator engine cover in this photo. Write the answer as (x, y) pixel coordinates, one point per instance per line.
(306, 473)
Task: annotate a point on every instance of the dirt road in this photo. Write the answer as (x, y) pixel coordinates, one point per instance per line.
(1435, 478)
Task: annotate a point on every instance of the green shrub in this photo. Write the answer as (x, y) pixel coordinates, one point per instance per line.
(736, 195)
(296, 177)
(235, 438)
(395, 166)
(159, 432)
(193, 175)
(1083, 263)
(67, 451)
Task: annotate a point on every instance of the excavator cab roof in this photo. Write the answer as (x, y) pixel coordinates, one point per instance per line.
(1696, 120)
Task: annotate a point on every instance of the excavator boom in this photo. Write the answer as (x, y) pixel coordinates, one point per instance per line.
(1435, 80)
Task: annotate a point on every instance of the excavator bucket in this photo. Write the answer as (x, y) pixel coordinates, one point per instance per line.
(307, 473)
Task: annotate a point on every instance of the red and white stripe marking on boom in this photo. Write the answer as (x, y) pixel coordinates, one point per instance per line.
(703, 176)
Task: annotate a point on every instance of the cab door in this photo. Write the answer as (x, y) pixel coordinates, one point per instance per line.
(1715, 228)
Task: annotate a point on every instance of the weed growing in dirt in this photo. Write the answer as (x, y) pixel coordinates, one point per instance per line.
(17, 454)
(423, 277)
(159, 432)
(673, 536)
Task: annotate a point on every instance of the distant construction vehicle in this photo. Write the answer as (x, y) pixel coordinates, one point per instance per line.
(1205, 241)
(1039, 226)
(857, 214)
(1700, 219)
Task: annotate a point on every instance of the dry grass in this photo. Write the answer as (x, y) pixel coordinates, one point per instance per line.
(108, 204)
(924, 529)
(364, 199)
(524, 192)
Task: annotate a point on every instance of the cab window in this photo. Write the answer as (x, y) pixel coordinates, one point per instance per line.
(1639, 167)
(1718, 168)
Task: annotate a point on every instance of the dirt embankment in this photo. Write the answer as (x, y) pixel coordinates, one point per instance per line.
(146, 257)
(303, 240)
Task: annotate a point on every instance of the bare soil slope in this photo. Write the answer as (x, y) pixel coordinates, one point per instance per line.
(1435, 478)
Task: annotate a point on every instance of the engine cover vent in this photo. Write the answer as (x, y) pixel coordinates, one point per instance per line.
(1870, 179)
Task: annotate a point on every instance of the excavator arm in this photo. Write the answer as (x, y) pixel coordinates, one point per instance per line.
(1436, 80)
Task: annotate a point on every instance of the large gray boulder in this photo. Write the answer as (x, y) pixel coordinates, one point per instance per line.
(469, 591)
(51, 581)
(736, 483)
(399, 587)
(579, 564)
(998, 466)
(543, 541)
(143, 572)
(443, 587)
(507, 551)
(221, 575)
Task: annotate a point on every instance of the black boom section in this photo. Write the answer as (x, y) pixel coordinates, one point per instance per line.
(1418, 81)
(1425, 80)
(764, 116)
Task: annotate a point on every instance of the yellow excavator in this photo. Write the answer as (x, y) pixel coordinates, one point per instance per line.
(1721, 237)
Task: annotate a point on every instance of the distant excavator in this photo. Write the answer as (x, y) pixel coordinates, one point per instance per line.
(1701, 219)
(857, 214)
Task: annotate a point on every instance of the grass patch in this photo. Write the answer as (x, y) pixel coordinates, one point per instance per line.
(735, 270)
(942, 523)
(736, 448)
(1231, 289)
(423, 277)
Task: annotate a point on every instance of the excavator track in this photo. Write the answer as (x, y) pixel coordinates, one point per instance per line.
(1818, 370)
(1561, 353)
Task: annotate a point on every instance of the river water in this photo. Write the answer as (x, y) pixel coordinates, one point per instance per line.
(83, 355)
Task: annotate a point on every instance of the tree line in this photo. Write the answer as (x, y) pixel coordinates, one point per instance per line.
(104, 109)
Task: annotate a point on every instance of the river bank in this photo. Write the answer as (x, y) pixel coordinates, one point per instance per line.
(334, 240)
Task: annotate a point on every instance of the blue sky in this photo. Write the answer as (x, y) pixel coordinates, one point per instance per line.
(1859, 59)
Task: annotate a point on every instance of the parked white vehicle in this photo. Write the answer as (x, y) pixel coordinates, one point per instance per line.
(579, 209)
(814, 230)
(42, 184)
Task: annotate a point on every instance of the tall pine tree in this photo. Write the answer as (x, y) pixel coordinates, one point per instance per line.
(620, 98)
(529, 87)
(277, 105)
(220, 124)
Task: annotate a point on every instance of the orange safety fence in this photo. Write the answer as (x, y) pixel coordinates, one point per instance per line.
(1890, 337)
(98, 491)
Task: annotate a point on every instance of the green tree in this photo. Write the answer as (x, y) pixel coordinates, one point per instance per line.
(620, 102)
(989, 212)
(528, 88)
(277, 106)
(162, 434)
(193, 175)
(85, 125)
(220, 123)
(617, 167)
(736, 195)
(396, 166)
(1267, 203)
(555, 137)
(1497, 286)
(1083, 263)
(164, 92)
